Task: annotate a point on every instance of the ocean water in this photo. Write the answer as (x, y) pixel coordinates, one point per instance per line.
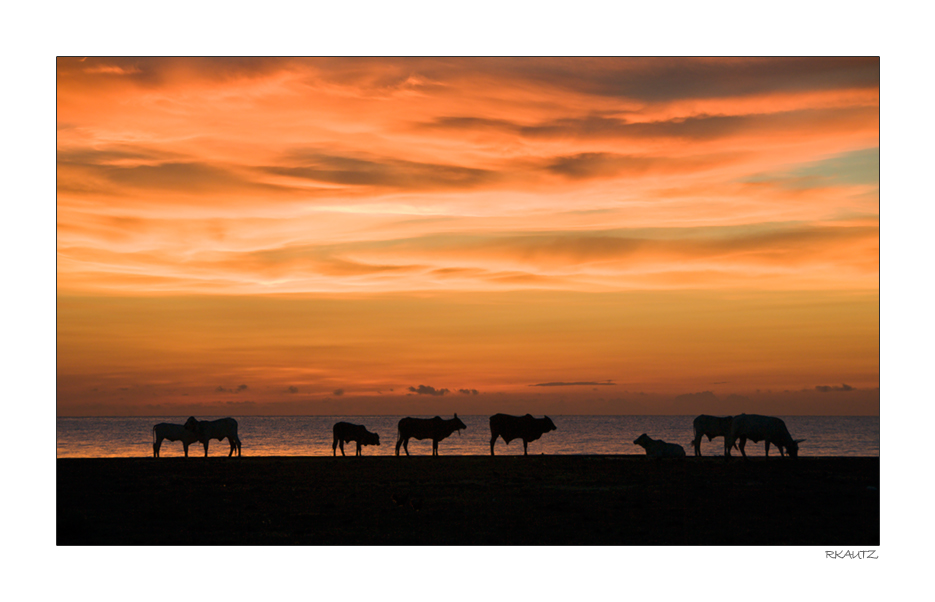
(575, 435)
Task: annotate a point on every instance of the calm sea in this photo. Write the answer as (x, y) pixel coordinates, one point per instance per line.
(311, 436)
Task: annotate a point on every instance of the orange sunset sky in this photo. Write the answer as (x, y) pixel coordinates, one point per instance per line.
(252, 236)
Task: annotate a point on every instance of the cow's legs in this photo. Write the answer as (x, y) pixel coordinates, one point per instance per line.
(525, 443)
(341, 444)
(697, 444)
(238, 447)
(358, 448)
(767, 447)
(185, 447)
(156, 445)
(233, 446)
(743, 443)
(205, 443)
(434, 447)
(405, 445)
(492, 441)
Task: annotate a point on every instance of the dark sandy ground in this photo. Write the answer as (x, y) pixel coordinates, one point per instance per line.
(468, 500)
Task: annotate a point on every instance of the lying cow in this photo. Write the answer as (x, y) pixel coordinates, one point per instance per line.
(762, 428)
(711, 427)
(656, 448)
(172, 432)
(345, 432)
(205, 430)
(525, 427)
(435, 429)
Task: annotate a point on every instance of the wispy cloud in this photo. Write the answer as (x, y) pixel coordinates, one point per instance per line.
(695, 128)
(381, 172)
(111, 70)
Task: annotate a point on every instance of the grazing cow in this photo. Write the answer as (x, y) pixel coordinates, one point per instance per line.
(711, 426)
(435, 429)
(525, 427)
(345, 432)
(206, 430)
(759, 428)
(657, 448)
(172, 432)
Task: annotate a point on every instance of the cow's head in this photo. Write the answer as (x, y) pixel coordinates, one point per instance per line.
(192, 425)
(458, 424)
(371, 439)
(549, 425)
(642, 440)
(793, 448)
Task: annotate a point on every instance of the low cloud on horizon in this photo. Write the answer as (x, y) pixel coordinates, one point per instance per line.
(237, 390)
(426, 390)
(574, 384)
(827, 389)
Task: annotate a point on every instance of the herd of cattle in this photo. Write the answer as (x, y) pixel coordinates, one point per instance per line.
(734, 430)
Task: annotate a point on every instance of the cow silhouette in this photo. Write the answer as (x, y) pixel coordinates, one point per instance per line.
(435, 429)
(345, 432)
(525, 427)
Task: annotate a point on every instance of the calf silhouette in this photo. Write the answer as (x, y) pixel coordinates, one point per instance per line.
(657, 448)
(345, 432)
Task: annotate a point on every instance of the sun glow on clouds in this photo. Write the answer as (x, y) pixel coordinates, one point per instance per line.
(240, 177)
